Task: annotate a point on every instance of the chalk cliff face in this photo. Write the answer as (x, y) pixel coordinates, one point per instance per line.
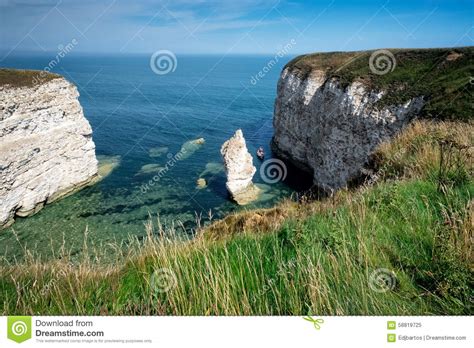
(46, 147)
(239, 168)
(331, 130)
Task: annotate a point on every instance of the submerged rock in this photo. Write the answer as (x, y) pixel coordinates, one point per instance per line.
(190, 147)
(199, 141)
(107, 164)
(201, 183)
(212, 168)
(157, 151)
(150, 168)
(239, 168)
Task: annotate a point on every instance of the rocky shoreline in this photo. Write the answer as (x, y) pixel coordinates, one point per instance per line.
(46, 148)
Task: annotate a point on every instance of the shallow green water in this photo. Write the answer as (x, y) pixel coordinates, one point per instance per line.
(144, 121)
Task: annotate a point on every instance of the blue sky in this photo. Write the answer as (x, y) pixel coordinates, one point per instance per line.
(233, 27)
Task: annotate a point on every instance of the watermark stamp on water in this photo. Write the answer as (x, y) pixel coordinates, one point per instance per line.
(273, 171)
(163, 62)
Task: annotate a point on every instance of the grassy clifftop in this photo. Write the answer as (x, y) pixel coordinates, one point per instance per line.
(443, 76)
(25, 78)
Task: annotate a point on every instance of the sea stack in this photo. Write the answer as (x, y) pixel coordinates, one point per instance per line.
(46, 147)
(239, 168)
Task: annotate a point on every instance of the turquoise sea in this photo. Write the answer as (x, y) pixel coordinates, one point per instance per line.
(140, 121)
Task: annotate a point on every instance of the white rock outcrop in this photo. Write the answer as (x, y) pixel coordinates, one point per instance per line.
(46, 147)
(330, 130)
(239, 168)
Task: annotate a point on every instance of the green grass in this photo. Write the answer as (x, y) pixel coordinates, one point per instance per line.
(322, 265)
(24, 78)
(446, 83)
(317, 258)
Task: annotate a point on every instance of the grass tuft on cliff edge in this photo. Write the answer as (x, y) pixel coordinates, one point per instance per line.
(443, 76)
(25, 78)
(401, 245)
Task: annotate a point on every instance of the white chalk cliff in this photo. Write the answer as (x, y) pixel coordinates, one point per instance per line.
(239, 168)
(46, 147)
(331, 130)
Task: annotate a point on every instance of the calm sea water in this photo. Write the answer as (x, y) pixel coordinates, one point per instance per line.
(143, 119)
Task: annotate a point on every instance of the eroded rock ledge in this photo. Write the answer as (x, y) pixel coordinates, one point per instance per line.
(330, 128)
(46, 147)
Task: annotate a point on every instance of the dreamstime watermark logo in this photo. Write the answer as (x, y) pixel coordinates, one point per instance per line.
(172, 160)
(47, 288)
(382, 62)
(382, 280)
(163, 280)
(273, 170)
(272, 62)
(284, 270)
(63, 51)
(19, 328)
(163, 62)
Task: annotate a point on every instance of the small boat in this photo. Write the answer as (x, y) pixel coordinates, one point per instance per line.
(260, 153)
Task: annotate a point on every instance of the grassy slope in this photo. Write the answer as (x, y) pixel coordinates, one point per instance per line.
(443, 76)
(315, 257)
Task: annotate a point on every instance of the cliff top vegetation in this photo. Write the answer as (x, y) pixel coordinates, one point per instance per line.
(443, 76)
(25, 78)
